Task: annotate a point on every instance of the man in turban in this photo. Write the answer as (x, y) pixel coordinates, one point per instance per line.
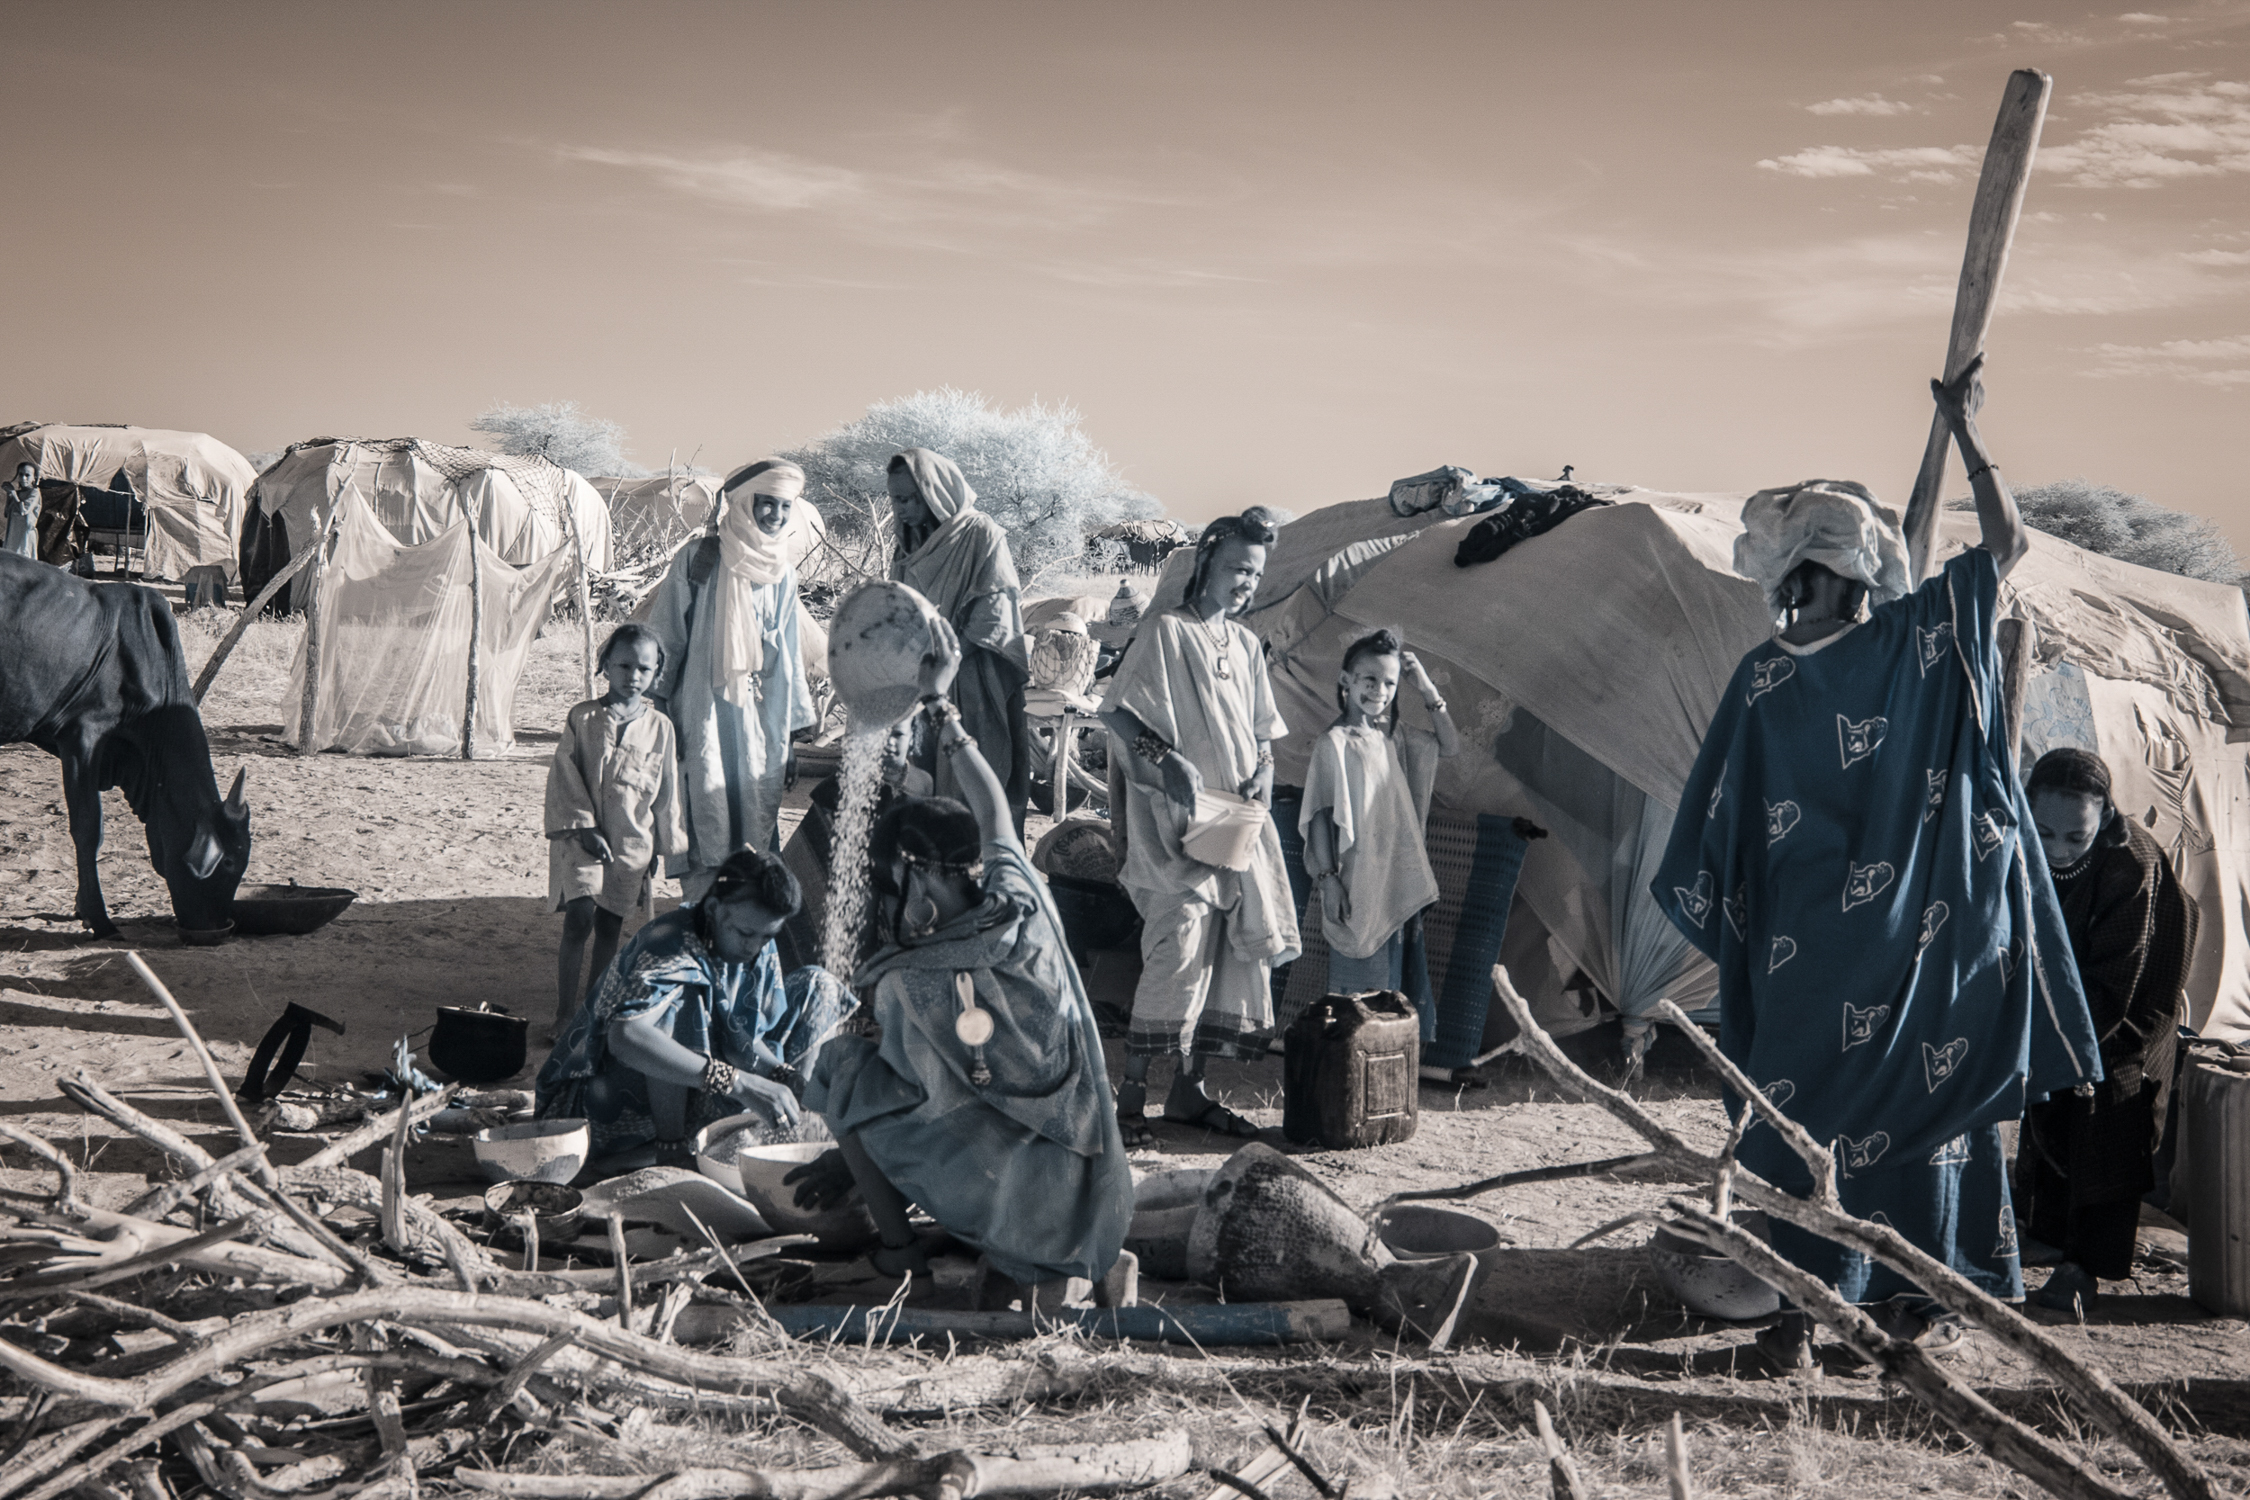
(957, 557)
(1853, 851)
(734, 674)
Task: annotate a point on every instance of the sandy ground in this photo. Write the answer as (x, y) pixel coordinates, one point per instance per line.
(451, 866)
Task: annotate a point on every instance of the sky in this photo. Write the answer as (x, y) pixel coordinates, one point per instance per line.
(1275, 253)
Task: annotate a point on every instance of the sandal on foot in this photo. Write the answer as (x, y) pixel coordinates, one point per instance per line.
(909, 1259)
(1788, 1344)
(1218, 1119)
(1134, 1127)
(2069, 1289)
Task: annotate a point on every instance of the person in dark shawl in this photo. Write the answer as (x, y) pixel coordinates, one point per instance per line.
(1851, 851)
(2086, 1158)
(694, 1023)
(957, 557)
(984, 1100)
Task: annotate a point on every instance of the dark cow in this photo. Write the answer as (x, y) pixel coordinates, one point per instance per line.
(92, 674)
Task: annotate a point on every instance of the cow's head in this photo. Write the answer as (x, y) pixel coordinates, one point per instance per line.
(204, 875)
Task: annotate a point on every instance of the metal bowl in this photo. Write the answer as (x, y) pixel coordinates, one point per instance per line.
(554, 1207)
(206, 937)
(1708, 1282)
(288, 910)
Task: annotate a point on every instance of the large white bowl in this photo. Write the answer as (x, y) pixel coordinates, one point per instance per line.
(764, 1167)
(541, 1151)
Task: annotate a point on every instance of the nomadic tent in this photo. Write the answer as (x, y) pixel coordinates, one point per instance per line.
(1145, 543)
(395, 625)
(1582, 667)
(661, 507)
(416, 490)
(185, 490)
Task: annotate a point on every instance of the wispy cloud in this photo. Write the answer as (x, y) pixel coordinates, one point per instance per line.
(2143, 18)
(2220, 362)
(1865, 104)
(1896, 163)
(2169, 128)
(767, 180)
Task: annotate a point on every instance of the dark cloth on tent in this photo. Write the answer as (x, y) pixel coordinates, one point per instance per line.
(1520, 520)
(1894, 971)
(2132, 931)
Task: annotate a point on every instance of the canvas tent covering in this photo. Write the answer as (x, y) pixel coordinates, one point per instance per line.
(1582, 667)
(659, 507)
(395, 626)
(192, 486)
(416, 490)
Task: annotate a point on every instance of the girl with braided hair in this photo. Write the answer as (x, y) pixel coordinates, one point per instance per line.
(1191, 707)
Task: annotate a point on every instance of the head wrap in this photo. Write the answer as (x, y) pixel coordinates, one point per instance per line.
(748, 558)
(1837, 523)
(942, 485)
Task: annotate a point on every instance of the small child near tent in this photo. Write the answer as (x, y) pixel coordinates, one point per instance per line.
(1367, 801)
(613, 806)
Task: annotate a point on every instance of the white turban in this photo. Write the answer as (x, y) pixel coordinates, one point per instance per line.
(1837, 523)
(748, 558)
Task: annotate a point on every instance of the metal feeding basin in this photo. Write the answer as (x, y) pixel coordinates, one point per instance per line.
(288, 910)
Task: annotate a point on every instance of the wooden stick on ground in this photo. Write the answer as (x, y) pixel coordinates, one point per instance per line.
(1676, 1461)
(624, 1272)
(2117, 1413)
(1992, 230)
(1562, 1473)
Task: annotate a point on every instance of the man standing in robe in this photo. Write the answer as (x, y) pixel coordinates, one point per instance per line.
(734, 675)
(1191, 709)
(957, 557)
(1854, 852)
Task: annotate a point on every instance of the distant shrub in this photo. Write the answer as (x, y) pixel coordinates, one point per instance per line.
(2130, 528)
(1034, 470)
(561, 432)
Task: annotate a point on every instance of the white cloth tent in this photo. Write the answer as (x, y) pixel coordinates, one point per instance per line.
(659, 506)
(417, 490)
(395, 626)
(193, 485)
(1583, 666)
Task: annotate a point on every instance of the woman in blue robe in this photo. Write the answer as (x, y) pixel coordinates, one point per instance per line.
(1894, 972)
(694, 1023)
(985, 1101)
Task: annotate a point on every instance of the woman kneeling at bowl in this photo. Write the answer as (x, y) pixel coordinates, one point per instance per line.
(985, 1101)
(693, 1023)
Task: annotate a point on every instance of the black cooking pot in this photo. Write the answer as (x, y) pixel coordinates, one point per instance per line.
(478, 1046)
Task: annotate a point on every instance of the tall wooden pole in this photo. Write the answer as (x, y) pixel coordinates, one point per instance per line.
(476, 632)
(585, 592)
(311, 700)
(1992, 231)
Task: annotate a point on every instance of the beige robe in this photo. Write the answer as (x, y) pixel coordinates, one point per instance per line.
(622, 779)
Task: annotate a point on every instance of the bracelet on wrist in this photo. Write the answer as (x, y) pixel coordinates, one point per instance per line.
(1151, 747)
(1265, 757)
(941, 711)
(718, 1077)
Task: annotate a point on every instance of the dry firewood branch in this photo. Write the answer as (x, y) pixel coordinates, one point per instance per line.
(2115, 1412)
(1079, 1469)
(808, 1395)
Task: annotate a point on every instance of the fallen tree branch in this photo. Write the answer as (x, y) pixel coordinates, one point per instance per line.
(2117, 1413)
(1079, 1468)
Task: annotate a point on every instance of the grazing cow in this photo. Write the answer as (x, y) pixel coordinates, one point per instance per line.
(92, 674)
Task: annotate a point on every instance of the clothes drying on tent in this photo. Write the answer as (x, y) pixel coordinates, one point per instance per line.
(178, 496)
(393, 677)
(1524, 518)
(524, 506)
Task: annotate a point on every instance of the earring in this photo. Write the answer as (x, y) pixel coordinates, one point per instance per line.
(921, 912)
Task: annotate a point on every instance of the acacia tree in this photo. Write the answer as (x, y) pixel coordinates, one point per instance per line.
(1034, 470)
(558, 430)
(2130, 528)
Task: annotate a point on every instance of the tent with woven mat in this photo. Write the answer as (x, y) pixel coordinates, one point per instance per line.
(175, 498)
(1582, 666)
(523, 506)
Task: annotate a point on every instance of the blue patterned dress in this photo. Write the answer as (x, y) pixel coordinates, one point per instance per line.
(743, 1014)
(1893, 968)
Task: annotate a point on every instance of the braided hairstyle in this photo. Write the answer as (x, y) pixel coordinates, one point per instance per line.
(1381, 643)
(937, 834)
(1255, 526)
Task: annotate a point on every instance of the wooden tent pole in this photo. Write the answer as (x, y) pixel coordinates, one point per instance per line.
(1992, 230)
(311, 700)
(476, 632)
(585, 591)
(274, 585)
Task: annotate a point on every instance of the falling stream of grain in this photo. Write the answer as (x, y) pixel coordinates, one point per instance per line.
(861, 774)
